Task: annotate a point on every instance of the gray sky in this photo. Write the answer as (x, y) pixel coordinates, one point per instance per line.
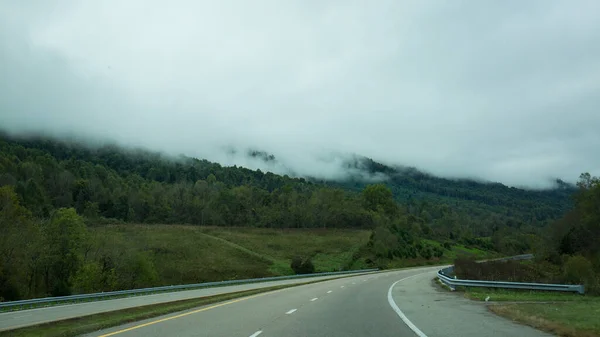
(506, 91)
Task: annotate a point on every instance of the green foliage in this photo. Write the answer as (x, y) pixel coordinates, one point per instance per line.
(66, 234)
(572, 242)
(379, 198)
(15, 229)
(302, 266)
(139, 271)
(92, 277)
(578, 270)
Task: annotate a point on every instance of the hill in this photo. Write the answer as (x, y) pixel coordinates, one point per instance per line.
(56, 196)
(486, 205)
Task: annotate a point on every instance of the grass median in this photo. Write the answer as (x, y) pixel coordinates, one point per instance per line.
(86, 324)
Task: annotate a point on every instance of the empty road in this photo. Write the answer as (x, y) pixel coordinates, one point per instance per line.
(17, 319)
(398, 303)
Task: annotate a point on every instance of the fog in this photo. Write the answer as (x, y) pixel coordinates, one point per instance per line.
(502, 91)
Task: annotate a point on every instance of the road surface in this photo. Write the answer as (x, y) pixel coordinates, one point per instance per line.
(22, 318)
(398, 303)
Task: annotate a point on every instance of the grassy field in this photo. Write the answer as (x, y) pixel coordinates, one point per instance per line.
(330, 249)
(191, 254)
(188, 254)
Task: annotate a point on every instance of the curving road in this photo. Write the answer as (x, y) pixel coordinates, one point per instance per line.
(398, 303)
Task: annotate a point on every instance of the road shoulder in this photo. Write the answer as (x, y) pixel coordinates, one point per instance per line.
(440, 313)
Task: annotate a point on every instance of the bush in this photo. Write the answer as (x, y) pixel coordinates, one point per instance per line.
(300, 266)
(438, 252)
(514, 271)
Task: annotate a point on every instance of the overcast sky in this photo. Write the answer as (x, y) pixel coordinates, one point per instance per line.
(506, 91)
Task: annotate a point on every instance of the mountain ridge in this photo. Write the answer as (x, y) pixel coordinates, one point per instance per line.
(409, 185)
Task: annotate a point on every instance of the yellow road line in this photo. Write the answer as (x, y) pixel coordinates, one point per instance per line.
(188, 313)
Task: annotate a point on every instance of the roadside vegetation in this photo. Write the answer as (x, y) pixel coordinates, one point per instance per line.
(567, 253)
(567, 318)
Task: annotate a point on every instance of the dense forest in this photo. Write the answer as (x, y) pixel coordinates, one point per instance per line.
(573, 242)
(51, 191)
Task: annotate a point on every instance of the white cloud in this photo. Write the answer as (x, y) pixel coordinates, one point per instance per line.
(504, 91)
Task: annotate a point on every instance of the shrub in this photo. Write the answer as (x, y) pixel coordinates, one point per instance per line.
(300, 266)
(577, 269)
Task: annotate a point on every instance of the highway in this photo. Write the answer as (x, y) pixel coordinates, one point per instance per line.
(17, 319)
(398, 303)
(394, 303)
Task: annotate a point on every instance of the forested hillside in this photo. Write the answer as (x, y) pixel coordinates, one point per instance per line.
(413, 187)
(52, 193)
(573, 242)
(140, 186)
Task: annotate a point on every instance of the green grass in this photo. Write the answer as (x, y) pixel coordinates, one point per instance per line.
(86, 324)
(183, 254)
(502, 295)
(191, 254)
(458, 250)
(330, 249)
(568, 318)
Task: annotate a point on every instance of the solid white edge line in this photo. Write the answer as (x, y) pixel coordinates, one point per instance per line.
(399, 312)
(314, 299)
(291, 312)
(256, 333)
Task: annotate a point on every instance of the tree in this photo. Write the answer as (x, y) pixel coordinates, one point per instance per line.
(16, 232)
(379, 197)
(66, 235)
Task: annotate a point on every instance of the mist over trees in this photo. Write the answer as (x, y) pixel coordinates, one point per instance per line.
(52, 191)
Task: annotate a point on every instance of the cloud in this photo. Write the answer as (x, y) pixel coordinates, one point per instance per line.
(503, 91)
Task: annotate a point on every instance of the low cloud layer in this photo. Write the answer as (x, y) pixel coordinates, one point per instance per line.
(503, 91)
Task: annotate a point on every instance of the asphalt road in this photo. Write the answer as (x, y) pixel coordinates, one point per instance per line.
(22, 318)
(398, 303)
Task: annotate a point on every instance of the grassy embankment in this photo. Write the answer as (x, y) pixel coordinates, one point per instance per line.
(563, 314)
(188, 254)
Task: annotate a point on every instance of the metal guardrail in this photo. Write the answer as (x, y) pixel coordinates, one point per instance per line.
(516, 257)
(108, 294)
(445, 276)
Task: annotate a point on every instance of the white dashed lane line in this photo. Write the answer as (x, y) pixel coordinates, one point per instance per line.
(341, 286)
(329, 292)
(314, 299)
(291, 311)
(256, 333)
